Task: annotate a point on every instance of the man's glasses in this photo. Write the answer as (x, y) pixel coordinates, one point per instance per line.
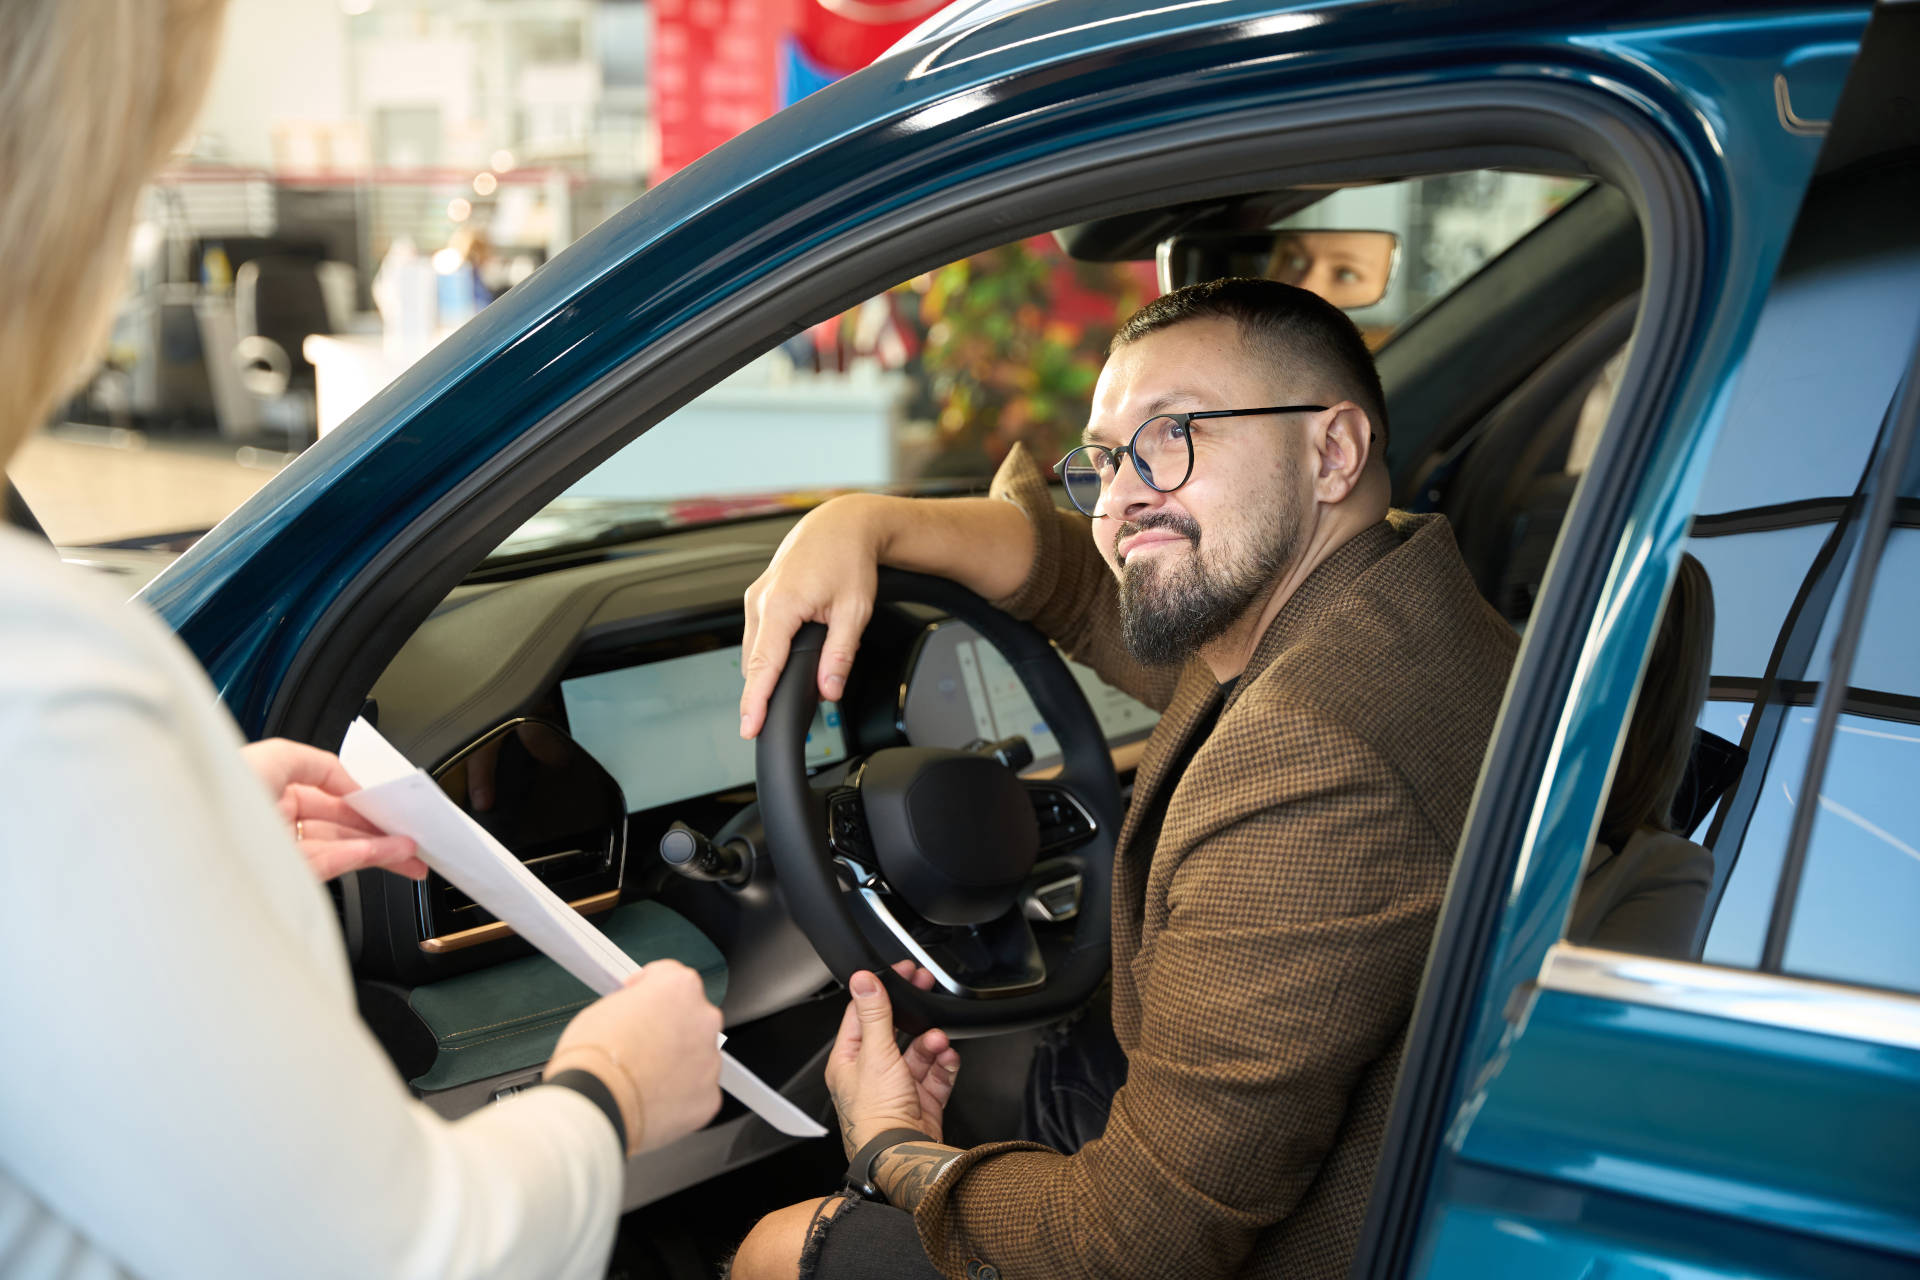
(1161, 449)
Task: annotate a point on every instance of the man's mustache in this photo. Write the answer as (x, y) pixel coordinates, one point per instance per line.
(1186, 526)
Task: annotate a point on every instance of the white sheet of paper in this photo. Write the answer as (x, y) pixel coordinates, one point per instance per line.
(400, 798)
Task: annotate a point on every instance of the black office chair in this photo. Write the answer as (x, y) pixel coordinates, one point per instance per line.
(1713, 767)
(277, 300)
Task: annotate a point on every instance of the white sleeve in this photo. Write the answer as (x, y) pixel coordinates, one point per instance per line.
(194, 1091)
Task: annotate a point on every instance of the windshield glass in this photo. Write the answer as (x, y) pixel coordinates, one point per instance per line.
(929, 384)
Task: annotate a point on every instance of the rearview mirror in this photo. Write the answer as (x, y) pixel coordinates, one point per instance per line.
(1350, 269)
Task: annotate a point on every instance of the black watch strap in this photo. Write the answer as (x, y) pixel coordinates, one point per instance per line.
(860, 1168)
(594, 1090)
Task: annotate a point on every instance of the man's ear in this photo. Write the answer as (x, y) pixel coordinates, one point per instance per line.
(1344, 442)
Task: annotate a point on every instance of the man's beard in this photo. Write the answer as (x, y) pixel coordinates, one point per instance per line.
(1168, 611)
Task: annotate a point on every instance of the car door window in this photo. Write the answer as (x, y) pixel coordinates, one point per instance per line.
(1853, 909)
(1815, 871)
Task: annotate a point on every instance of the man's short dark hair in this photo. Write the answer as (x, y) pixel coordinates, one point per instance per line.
(1298, 327)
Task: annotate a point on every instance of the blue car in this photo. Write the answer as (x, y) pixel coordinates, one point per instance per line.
(1650, 284)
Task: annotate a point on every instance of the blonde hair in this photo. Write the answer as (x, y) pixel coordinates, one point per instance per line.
(93, 95)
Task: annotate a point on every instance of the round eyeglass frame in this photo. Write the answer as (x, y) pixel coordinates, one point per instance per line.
(1130, 449)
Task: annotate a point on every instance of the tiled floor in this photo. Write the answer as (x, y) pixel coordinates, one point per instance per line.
(90, 484)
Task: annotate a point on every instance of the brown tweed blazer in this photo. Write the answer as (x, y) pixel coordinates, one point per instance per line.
(1267, 949)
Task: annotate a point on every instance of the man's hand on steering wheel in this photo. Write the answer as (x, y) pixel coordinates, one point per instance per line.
(826, 568)
(824, 572)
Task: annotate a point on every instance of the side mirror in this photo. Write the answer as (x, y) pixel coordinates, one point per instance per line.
(539, 793)
(1350, 269)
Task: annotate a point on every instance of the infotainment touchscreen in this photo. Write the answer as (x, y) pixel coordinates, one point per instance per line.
(671, 730)
(962, 689)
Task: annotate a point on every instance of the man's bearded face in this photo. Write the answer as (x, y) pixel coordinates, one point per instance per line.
(1192, 562)
(1177, 598)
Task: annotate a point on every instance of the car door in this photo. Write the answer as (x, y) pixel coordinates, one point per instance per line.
(1747, 1107)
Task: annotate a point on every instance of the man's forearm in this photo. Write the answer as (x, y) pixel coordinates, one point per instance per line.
(984, 544)
(905, 1173)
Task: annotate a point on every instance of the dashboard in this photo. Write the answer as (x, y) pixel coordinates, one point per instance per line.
(668, 730)
(635, 654)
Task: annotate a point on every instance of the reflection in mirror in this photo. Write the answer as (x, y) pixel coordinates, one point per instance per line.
(540, 794)
(1348, 268)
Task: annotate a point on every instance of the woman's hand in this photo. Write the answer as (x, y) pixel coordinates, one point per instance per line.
(875, 1086)
(307, 784)
(655, 1044)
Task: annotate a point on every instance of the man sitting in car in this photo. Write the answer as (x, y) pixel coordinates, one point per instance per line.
(1328, 676)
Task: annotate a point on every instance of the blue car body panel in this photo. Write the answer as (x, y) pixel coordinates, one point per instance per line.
(1774, 1126)
(1573, 1150)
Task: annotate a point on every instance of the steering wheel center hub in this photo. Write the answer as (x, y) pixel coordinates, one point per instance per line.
(954, 833)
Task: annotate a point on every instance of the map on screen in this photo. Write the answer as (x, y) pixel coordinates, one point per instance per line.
(670, 730)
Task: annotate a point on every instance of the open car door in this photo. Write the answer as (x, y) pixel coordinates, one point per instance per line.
(1751, 1108)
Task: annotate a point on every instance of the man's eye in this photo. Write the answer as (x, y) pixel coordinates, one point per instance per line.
(1347, 275)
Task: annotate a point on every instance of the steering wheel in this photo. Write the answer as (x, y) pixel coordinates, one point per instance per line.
(940, 854)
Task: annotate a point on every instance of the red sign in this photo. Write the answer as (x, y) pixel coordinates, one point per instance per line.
(715, 73)
(842, 36)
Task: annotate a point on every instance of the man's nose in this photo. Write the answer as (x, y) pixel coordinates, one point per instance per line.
(1128, 494)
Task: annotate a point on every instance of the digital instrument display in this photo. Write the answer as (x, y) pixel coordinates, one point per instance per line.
(961, 689)
(670, 730)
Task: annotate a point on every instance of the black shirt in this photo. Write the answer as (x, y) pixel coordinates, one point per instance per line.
(1203, 728)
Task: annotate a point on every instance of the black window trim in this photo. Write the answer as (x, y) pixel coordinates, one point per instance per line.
(1799, 514)
(1876, 704)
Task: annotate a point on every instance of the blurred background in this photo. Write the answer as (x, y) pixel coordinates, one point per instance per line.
(367, 175)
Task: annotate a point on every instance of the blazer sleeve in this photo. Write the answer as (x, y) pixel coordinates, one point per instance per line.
(1070, 593)
(1286, 968)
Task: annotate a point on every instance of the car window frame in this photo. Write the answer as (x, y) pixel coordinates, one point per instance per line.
(1621, 633)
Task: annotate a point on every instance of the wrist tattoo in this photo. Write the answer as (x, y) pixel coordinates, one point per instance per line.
(847, 1140)
(906, 1172)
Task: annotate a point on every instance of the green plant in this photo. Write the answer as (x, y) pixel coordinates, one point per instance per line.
(1015, 340)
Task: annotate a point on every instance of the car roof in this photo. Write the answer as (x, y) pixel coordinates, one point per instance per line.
(961, 15)
(1084, 18)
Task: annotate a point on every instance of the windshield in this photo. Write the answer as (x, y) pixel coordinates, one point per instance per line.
(927, 385)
